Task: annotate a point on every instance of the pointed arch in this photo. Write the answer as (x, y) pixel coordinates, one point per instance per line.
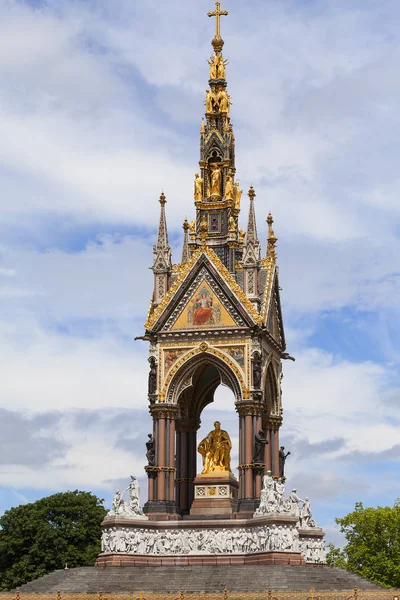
(211, 364)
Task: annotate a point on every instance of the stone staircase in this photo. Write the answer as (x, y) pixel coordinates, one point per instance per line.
(198, 579)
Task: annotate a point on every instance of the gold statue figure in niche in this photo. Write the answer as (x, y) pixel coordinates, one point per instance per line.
(217, 67)
(213, 67)
(232, 224)
(224, 102)
(198, 188)
(216, 180)
(229, 187)
(237, 195)
(222, 67)
(210, 98)
(216, 450)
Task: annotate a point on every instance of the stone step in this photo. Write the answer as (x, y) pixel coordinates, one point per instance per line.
(198, 579)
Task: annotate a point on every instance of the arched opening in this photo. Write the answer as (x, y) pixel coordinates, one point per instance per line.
(203, 388)
(220, 409)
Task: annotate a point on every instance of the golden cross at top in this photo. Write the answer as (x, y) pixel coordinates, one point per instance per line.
(218, 13)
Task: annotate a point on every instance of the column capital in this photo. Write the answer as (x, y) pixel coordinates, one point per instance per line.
(274, 423)
(164, 411)
(249, 408)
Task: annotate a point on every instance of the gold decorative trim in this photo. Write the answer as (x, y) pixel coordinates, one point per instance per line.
(267, 263)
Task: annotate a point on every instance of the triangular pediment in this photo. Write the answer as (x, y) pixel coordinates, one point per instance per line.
(204, 309)
(204, 295)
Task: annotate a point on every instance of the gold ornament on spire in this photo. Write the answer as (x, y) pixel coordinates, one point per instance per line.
(218, 13)
(272, 239)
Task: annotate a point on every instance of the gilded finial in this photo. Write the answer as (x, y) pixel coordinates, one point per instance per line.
(272, 239)
(218, 42)
(202, 127)
(186, 225)
(251, 193)
(163, 199)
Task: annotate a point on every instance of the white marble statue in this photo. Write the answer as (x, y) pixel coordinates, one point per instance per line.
(131, 509)
(293, 503)
(306, 518)
(268, 500)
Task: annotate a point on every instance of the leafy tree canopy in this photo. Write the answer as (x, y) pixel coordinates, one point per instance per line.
(373, 544)
(38, 538)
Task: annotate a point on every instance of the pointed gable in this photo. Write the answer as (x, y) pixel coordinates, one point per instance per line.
(204, 280)
(272, 311)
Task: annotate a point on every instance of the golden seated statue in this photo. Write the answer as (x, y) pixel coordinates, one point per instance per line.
(216, 451)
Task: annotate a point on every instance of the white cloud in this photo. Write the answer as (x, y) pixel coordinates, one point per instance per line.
(45, 370)
(99, 110)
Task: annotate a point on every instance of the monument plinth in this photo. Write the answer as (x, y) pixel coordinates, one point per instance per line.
(215, 493)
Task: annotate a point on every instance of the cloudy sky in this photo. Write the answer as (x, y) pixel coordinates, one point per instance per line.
(100, 109)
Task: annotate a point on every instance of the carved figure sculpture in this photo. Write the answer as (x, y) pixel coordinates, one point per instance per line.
(282, 460)
(229, 187)
(192, 226)
(198, 188)
(306, 515)
(237, 195)
(224, 102)
(152, 375)
(216, 180)
(222, 67)
(216, 450)
(117, 502)
(131, 509)
(134, 497)
(280, 494)
(259, 445)
(210, 98)
(268, 503)
(151, 450)
(213, 67)
(257, 372)
(293, 502)
(232, 224)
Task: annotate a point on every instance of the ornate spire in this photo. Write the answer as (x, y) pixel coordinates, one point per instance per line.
(251, 246)
(217, 193)
(185, 249)
(162, 250)
(272, 239)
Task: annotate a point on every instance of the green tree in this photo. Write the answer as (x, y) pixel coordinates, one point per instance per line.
(335, 557)
(373, 544)
(38, 538)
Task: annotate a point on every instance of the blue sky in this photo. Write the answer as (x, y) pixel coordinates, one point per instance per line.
(100, 109)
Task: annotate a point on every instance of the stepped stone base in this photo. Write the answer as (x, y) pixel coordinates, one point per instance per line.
(246, 578)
